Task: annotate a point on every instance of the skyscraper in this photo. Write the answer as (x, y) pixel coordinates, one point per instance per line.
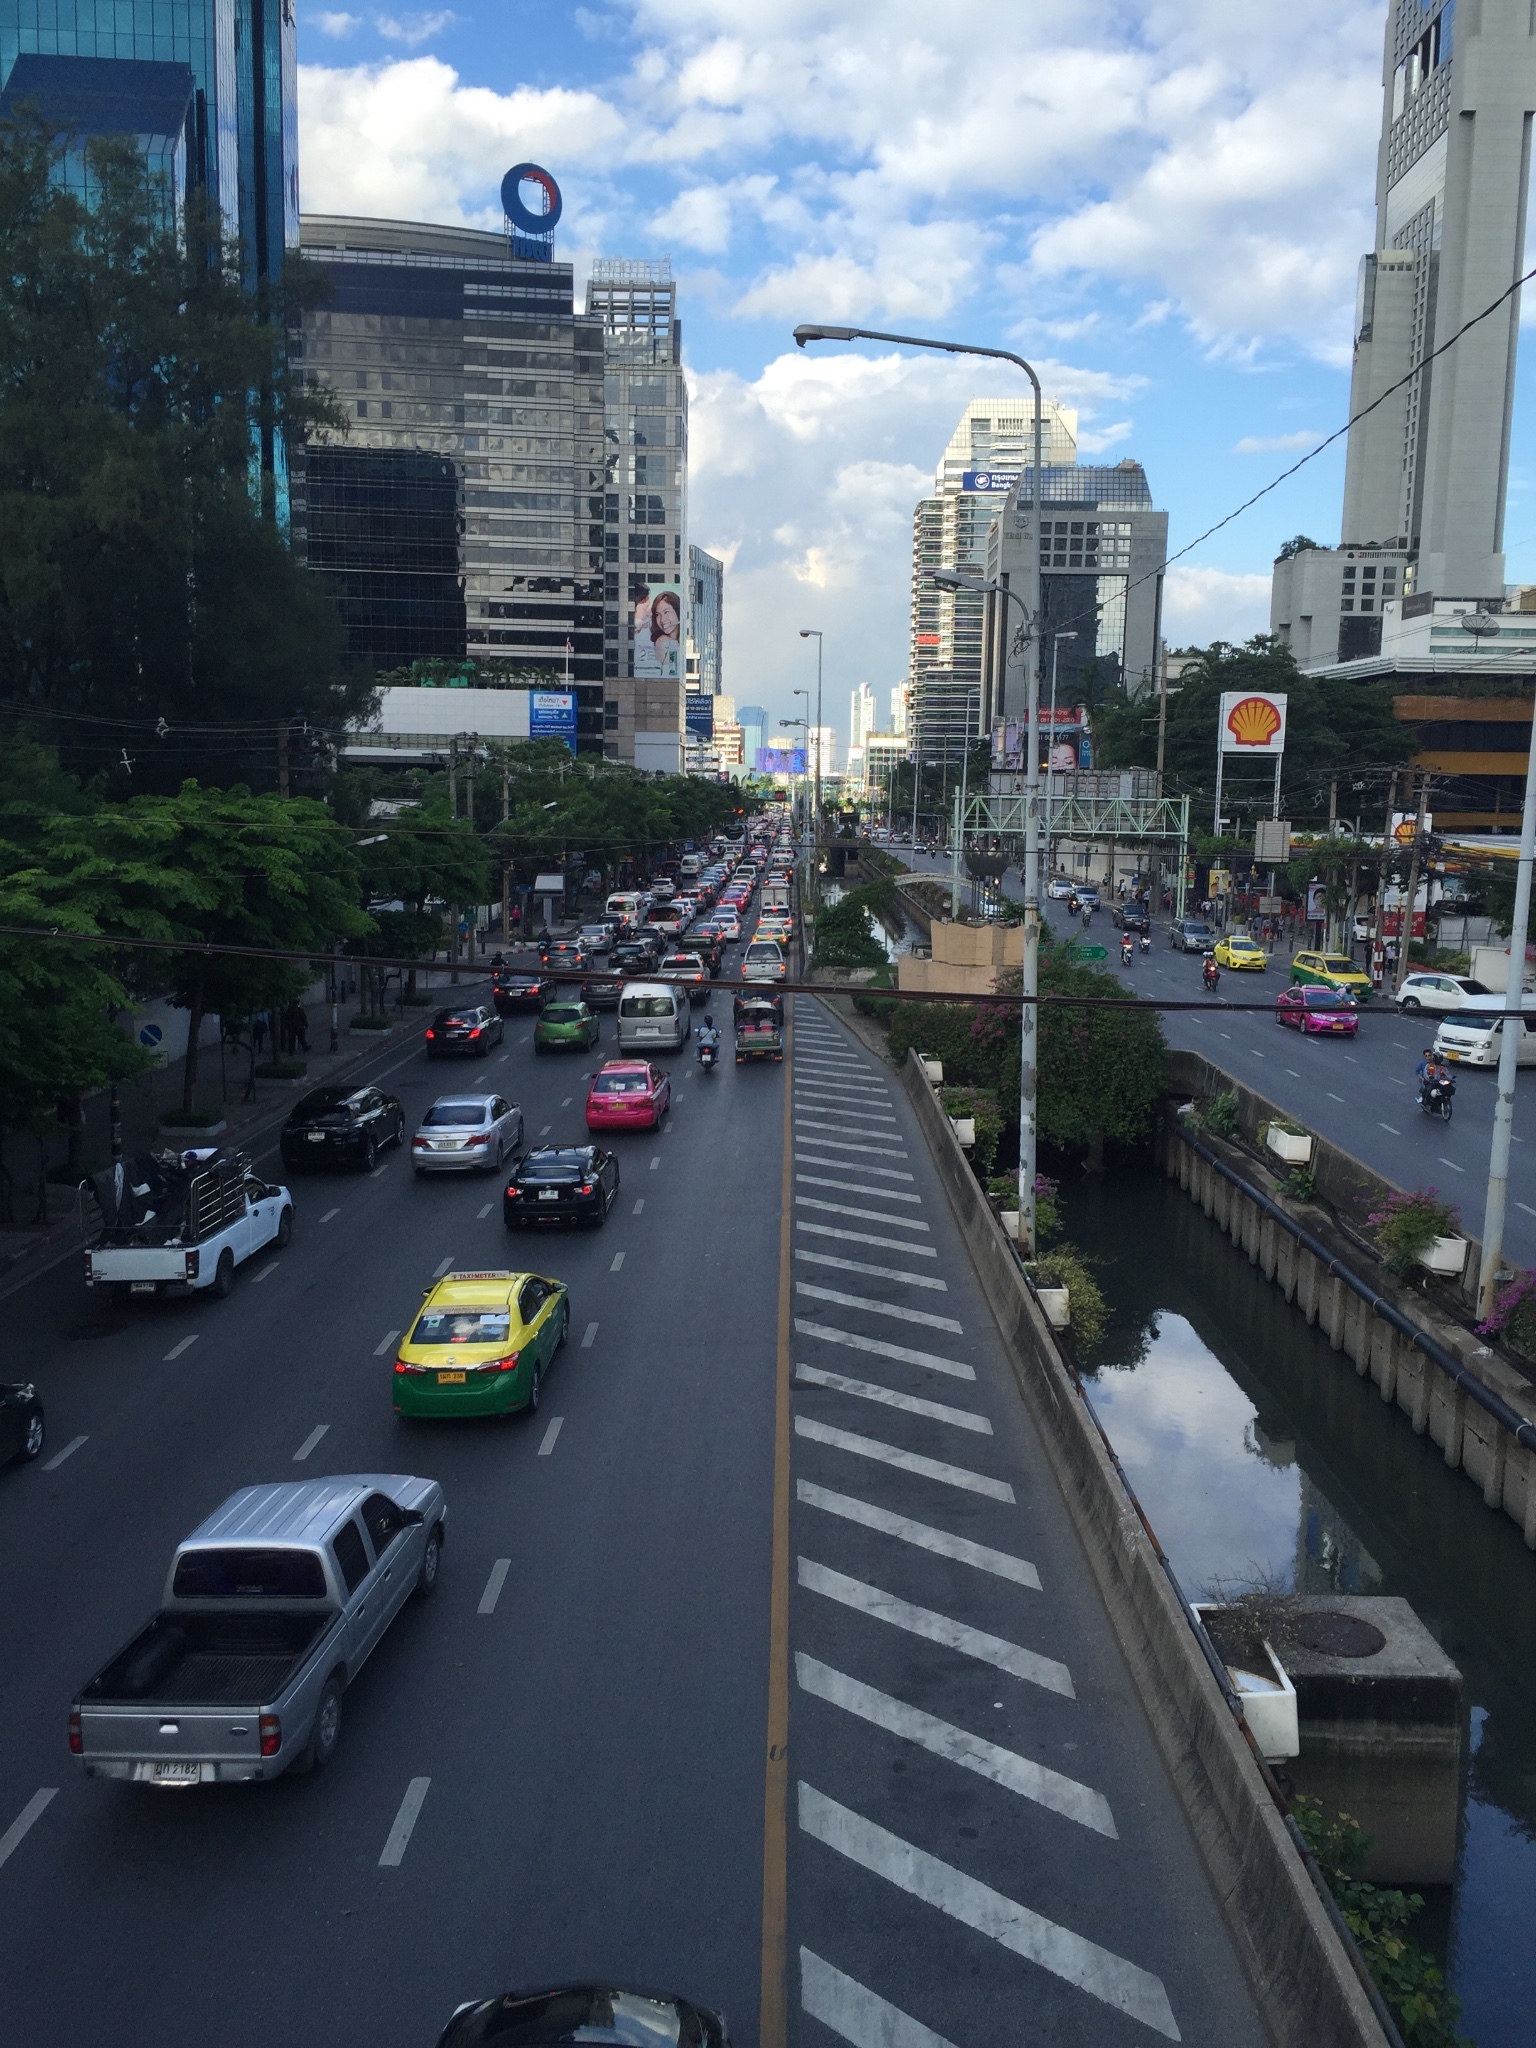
(861, 715)
(706, 606)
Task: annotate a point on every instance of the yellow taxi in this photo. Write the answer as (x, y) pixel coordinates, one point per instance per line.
(1240, 951)
(1331, 970)
(481, 1344)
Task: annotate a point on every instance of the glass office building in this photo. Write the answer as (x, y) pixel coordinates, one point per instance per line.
(463, 516)
(706, 605)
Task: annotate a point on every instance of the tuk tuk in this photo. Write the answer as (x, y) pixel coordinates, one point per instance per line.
(759, 1022)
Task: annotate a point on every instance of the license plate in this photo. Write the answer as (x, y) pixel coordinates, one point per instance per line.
(549, 1194)
(450, 1379)
(141, 1286)
(315, 1137)
(177, 1774)
(1453, 1055)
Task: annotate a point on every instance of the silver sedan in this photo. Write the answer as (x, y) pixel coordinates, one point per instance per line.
(467, 1134)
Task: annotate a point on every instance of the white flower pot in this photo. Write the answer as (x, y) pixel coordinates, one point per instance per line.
(1009, 1218)
(1055, 1302)
(934, 1069)
(1269, 1703)
(1445, 1255)
(1295, 1151)
(964, 1128)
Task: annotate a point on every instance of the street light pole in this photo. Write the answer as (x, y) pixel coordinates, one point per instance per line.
(1509, 1043)
(811, 633)
(1050, 794)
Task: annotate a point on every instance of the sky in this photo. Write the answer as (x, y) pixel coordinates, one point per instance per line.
(1162, 207)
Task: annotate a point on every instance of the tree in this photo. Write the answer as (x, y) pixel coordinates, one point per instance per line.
(149, 609)
(1301, 545)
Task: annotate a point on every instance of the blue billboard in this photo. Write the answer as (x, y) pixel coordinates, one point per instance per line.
(988, 479)
(699, 715)
(552, 716)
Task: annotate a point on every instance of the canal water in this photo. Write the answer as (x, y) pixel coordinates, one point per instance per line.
(1260, 1455)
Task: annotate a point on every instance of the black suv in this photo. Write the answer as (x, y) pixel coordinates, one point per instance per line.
(561, 1184)
(346, 1126)
(1133, 917)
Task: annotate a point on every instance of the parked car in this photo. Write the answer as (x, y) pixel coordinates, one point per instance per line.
(341, 1127)
(1191, 935)
(561, 1184)
(467, 1134)
(21, 1421)
(566, 1026)
(628, 1095)
(1321, 1012)
(467, 1031)
(512, 992)
(1441, 992)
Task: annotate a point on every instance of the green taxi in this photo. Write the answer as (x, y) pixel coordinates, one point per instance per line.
(1331, 970)
(565, 1027)
(481, 1345)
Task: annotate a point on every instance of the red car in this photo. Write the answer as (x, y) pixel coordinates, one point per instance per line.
(1320, 1010)
(628, 1095)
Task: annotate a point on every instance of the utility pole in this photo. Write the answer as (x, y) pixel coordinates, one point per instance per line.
(1405, 922)
(282, 757)
(1381, 879)
(1509, 1043)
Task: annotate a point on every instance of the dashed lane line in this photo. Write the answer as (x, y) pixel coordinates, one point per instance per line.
(185, 1345)
(910, 1404)
(861, 2016)
(877, 1347)
(68, 1451)
(393, 1853)
(589, 1337)
(856, 1187)
(378, 1170)
(890, 1244)
(898, 1311)
(1526, 1207)
(1072, 1957)
(385, 1343)
(618, 1263)
(958, 1476)
(493, 1586)
(805, 1157)
(442, 1267)
(1028, 1665)
(330, 1215)
(309, 1442)
(567, 1102)
(266, 1272)
(1390, 1127)
(876, 1272)
(481, 1214)
(1334, 1098)
(1451, 1164)
(22, 1825)
(551, 1435)
(1005, 1767)
(639, 1208)
(655, 1161)
(960, 1549)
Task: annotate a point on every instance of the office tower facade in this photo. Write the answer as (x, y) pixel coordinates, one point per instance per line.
(861, 714)
(645, 449)
(753, 720)
(706, 607)
(463, 515)
(944, 718)
(1099, 558)
(901, 701)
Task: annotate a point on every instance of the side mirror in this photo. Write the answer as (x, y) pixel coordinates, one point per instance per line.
(412, 1518)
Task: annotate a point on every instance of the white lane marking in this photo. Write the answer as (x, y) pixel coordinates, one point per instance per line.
(842, 1091)
(1451, 1164)
(857, 1187)
(393, 1853)
(588, 1336)
(867, 1390)
(879, 1272)
(481, 1214)
(904, 1461)
(805, 1157)
(618, 1261)
(1018, 1662)
(1226, 1034)
(68, 1451)
(265, 1273)
(1334, 1098)
(330, 1215)
(878, 1348)
(1004, 1767)
(848, 1116)
(493, 1586)
(1392, 1128)
(655, 1162)
(442, 1267)
(890, 1244)
(567, 1102)
(378, 1170)
(1396, 1082)
(866, 1215)
(502, 1058)
(385, 1342)
(1526, 1207)
(958, 1548)
(550, 1435)
(1072, 1957)
(1293, 1073)
(843, 1145)
(309, 1442)
(185, 1345)
(33, 1811)
(860, 2016)
(831, 1059)
(896, 1310)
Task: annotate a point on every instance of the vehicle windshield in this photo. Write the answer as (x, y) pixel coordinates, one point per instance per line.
(462, 1326)
(248, 1574)
(321, 1102)
(555, 1165)
(456, 1113)
(763, 950)
(648, 1006)
(1336, 963)
(448, 1020)
(1325, 999)
(620, 1084)
(562, 1013)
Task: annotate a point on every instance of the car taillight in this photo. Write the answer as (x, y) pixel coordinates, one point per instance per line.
(484, 1138)
(585, 1188)
(431, 1033)
(271, 1731)
(476, 1032)
(402, 1366)
(514, 1192)
(87, 1269)
(420, 1140)
(194, 1260)
(76, 1737)
(507, 1364)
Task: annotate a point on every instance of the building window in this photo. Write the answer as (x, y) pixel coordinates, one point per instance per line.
(1346, 604)
(362, 408)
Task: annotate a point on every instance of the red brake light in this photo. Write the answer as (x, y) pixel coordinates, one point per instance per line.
(402, 1366)
(514, 1192)
(430, 1032)
(476, 1032)
(76, 1737)
(507, 1364)
(271, 1734)
(585, 1188)
(194, 1261)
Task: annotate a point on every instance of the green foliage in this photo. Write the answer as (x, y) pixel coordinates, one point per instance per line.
(981, 1105)
(1300, 1183)
(1066, 1267)
(1219, 1115)
(1301, 545)
(1407, 1225)
(1406, 1974)
(845, 933)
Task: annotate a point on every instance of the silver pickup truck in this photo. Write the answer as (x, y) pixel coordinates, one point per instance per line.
(271, 1608)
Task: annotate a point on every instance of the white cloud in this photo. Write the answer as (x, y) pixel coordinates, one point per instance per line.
(336, 25)
(1202, 604)
(412, 29)
(1276, 444)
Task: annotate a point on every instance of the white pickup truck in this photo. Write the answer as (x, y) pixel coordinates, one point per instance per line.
(180, 1223)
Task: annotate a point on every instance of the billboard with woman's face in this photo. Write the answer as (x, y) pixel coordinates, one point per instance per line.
(658, 620)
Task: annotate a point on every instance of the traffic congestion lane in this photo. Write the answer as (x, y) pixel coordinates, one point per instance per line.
(591, 1744)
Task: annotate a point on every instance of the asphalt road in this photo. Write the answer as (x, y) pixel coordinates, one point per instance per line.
(1360, 1093)
(777, 1365)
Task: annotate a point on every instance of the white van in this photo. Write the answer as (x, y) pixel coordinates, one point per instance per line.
(653, 1017)
(1473, 1039)
(691, 864)
(629, 906)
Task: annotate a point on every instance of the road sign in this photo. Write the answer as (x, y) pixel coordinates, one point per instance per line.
(1091, 952)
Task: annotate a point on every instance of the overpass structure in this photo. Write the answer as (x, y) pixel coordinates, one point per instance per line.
(993, 819)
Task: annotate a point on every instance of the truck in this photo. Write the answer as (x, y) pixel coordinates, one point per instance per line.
(176, 1223)
(270, 1609)
(775, 895)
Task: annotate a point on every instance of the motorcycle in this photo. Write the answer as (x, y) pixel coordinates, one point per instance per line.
(708, 1055)
(1210, 973)
(1146, 942)
(1435, 1098)
(1127, 951)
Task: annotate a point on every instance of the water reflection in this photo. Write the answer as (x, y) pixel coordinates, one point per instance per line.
(1259, 1453)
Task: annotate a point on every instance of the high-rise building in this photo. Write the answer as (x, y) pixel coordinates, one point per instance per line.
(986, 453)
(901, 698)
(753, 720)
(463, 514)
(1426, 471)
(861, 715)
(706, 604)
(645, 439)
(821, 750)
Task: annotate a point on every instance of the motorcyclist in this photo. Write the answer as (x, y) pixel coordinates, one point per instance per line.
(1210, 973)
(1432, 1072)
(1127, 950)
(1146, 942)
(707, 1035)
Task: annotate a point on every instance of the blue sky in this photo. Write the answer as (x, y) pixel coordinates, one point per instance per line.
(1162, 206)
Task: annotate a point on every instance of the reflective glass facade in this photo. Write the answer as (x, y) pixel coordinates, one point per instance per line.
(384, 526)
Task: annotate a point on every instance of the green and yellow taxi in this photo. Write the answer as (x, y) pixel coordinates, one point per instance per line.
(1331, 970)
(564, 1026)
(1241, 952)
(481, 1345)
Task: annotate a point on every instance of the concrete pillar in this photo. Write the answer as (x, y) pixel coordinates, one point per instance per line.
(1455, 1424)
(1424, 1376)
(1530, 1498)
(1498, 1465)
(1333, 1311)
(1285, 1264)
(1387, 1350)
(1269, 1235)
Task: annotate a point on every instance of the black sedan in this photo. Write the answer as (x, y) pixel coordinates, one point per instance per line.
(342, 1126)
(636, 956)
(513, 992)
(21, 1422)
(1133, 917)
(467, 1032)
(561, 1184)
(602, 991)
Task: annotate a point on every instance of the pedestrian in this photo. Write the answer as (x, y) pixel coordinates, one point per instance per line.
(297, 1025)
(261, 1023)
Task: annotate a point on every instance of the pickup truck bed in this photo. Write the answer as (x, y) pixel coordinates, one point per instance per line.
(207, 1660)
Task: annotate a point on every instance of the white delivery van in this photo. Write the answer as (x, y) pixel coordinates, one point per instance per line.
(691, 864)
(653, 1017)
(1473, 1038)
(629, 906)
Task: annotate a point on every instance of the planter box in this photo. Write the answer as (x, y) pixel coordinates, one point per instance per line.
(1057, 1305)
(1009, 1219)
(964, 1128)
(934, 1069)
(1269, 1702)
(1294, 1151)
(1446, 1255)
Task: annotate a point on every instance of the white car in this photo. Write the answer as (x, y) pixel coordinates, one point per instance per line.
(1058, 888)
(467, 1134)
(1445, 992)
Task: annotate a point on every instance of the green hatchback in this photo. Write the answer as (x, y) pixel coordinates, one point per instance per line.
(565, 1027)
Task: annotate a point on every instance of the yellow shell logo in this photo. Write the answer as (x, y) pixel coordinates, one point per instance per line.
(1254, 722)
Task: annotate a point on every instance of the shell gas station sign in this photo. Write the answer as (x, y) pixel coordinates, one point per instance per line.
(1252, 722)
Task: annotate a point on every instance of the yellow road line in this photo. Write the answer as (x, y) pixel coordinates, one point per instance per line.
(773, 2024)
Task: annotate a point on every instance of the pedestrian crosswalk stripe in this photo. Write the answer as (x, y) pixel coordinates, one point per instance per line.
(1013, 1658)
(1005, 1767)
(877, 1346)
(867, 1390)
(847, 1209)
(920, 1535)
(928, 1280)
(842, 1145)
(1122, 1985)
(904, 1461)
(891, 1244)
(868, 1306)
(860, 2016)
(859, 1187)
(805, 1157)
